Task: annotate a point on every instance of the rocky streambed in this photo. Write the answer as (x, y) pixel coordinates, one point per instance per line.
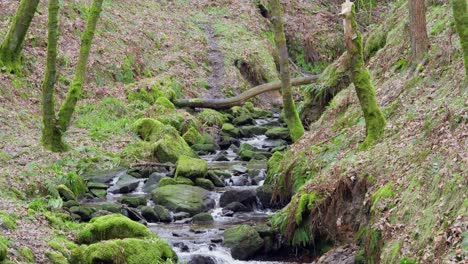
(209, 209)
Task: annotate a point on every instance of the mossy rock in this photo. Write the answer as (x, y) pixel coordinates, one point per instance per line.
(163, 214)
(243, 120)
(3, 250)
(249, 131)
(230, 130)
(129, 251)
(237, 111)
(166, 181)
(183, 180)
(205, 184)
(243, 240)
(85, 212)
(163, 101)
(133, 201)
(278, 133)
(202, 218)
(261, 113)
(274, 167)
(111, 227)
(148, 129)
(181, 198)
(191, 168)
(205, 148)
(210, 117)
(66, 193)
(111, 207)
(149, 214)
(171, 147)
(215, 179)
(192, 137)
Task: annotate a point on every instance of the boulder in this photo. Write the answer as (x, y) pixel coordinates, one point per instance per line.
(69, 204)
(84, 212)
(149, 214)
(215, 179)
(148, 129)
(239, 169)
(191, 168)
(128, 250)
(98, 193)
(104, 176)
(180, 215)
(205, 148)
(171, 147)
(243, 240)
(133, 201)
(183, 180)
(236, 207)
(205, 184)
(166, 181)
(202, 218)
(230, 130)
(221, 156)
(250, 131)
(113, 208)
(65, 193)
(264, 194)
(243, 120)
(135, 215)
(182, 198)
(246, 197)
(200, 259)
(164, 215)
(227, 141)
(278, 133)
(192, 137)
(247, 152)
(125, 184)
(112, 227)
(153, 181)
(163, 101)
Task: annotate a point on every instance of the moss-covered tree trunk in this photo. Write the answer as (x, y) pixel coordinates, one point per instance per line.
(360, 76)
(460, 13)
(55, 125)
(74, 93)
(12, 44)
(292, 117)
(418, 31)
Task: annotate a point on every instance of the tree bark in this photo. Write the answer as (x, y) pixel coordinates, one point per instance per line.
(460, 14)
(10, 49)
(51, 134)
(243, 97)
(360, 76)
(74, 93)
(290, 113)
(418, 31)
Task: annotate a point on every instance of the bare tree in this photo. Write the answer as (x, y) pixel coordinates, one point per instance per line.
(418, 31)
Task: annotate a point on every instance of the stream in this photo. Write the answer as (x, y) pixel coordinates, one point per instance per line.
(198, 244)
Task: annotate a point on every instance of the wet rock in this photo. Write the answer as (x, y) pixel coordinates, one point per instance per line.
(103, 177)
(182, 198)
(221, 156)
(236, 207)
(278, 133)
(257, 180)
(230, 130)
(65, 193)
(246, 197)
(97, 185)
(191, 168)
(250, 131)
(216, 240)
(239, 169)
(114, 208)
(192, 136)
(205, 184)
(183, 180)
(84, 212)
(228, 213)
(264, 230)
(171, 147)
(166, 181)
(153, 181)
(181, 246)
(261, 113)
(246, 152)
(243, 241)
(100, 213)
(227, 141)
(341, 255)
(202, 218)
(69, 204)
(199, 259)
(135, 215)
(184, 221)
(98, 193)
(149, 214)
(279, 148)
(133, 201)
(264, 194)
(259, 156)
(209, 203)
(222, 174)
(180, 216)
(205, 148)
(125, 184)
(243, 120)
(240, 181)
(214, 179)
(198, 231)
(164, 215)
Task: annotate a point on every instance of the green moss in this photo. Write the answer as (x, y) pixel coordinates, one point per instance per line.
(371, 241)
(183, 180)
(163, 101)
(274, 167)
(384, 192)
(149, 90)
(191, 167)
(166, 181)
(205, 184)
(376, 40)
(111, 227)
(209, 117)
(129, 250)
(171, 147)
(62, 245)
(192, 137)
(56, 257)
(180, 198)
(27, 255)
(148, 129)
(243, 240)
(7, 220)
(65, 193)
(306, 201)
(3, 250)
(406, 260)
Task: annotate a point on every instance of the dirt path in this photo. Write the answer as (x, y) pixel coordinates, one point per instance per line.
(216, 59)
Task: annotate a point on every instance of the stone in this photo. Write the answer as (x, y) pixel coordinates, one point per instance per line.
(148, 129)
(183, 180)
(171, 147)
(236, 207)
(125, 184)
(97, 185)
(239, 169)
(191, 168)
(230, 130)
(264, 230)
(180, 215)
(99, 213)
(65, 193)
(278, 133)
(227, 141)
(104, 177)
(205, 148)
(164, 215)
(264, 194)
(243, 120)
(202, 218)
(205, 184)
(114, 208)
(84, 212)
(243, 240)
(134, 215)
(182, 246)
(153, 181)
(200, 259)
(133, 201)
(166, 181)
(69, 204)
(182, 198)
(221, 156)
(215, 179)
(98, 193)
(250, 131)
(149, 214)
(192, 137)
(246, 197)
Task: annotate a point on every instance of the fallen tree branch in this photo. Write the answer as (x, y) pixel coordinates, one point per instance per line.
(243, 97)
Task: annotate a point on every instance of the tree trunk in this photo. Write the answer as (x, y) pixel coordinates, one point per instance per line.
(243, 97)
(74, 93)
(10, 49)
(375, 122)
(460, 13)
(291, 116)
(51, 135)
(418, 31)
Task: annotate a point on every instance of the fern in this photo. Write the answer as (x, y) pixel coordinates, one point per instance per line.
(74, 182)
(301, 237)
